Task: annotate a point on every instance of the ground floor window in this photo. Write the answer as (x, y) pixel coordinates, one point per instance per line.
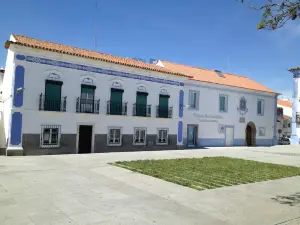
(139, 137)
(114, 137)
(162, 136)
(50, 136)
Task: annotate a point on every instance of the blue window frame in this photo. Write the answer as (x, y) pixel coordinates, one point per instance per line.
(223, 103)
(260, 107)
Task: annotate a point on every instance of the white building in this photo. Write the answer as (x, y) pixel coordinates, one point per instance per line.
(284, 118)
(225, 109)
(62, 99)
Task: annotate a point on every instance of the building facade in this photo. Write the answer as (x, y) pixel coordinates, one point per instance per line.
(62, 100)
(284, 118)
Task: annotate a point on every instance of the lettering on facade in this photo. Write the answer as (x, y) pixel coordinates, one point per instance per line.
(242, 120)
(208, 117)
(242, 108)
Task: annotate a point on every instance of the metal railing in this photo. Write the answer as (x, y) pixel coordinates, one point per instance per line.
(47, 104)
(115, 108)
(164, 112)
(141, 110)
(87, 105)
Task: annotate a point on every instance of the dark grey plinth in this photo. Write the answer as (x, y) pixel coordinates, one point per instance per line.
(2, 151)
(127, 144)
(31, 145)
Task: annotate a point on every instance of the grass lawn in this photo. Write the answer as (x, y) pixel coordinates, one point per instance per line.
(210, 172)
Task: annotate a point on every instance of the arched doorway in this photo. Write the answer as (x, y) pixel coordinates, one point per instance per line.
(250, 134)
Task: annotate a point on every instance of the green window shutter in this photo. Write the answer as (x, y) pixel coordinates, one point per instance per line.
(163, 105)
(141, 103)
(52, 95)
(116, 97)
(87, 92)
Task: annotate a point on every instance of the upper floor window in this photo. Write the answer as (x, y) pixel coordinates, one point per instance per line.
(223, 103)
(194, 99)
(260, 107)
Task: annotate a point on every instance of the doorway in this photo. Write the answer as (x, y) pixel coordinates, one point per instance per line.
(229, 136)
(250, 134)
(192, 134)
(85, 139)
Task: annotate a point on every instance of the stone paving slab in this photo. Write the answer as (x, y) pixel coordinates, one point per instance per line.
(84, 189)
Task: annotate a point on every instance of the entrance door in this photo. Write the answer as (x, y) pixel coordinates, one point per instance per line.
(229, 136)
(192, 135)
(85, 139)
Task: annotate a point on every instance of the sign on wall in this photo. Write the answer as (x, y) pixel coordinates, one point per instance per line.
(208, 117)
(221, 128)
(242, 120)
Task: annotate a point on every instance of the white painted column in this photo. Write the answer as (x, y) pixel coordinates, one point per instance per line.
(296, 107)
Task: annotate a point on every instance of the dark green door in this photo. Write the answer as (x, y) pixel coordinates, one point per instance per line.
(52, 96)
(163, 106)
(87, 98)
(141, 104)
(116, 97)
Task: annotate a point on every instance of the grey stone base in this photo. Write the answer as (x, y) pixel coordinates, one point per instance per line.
(11, 152)
(180, 147)
(127, 144)
(2, 151)
(31, 145)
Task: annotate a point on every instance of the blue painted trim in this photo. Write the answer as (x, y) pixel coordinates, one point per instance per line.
(275, 121)
(228, 126)
(226, 88)
(19, 83)
(179, 136)
(16, 129)
(211, 142)
(239, 142)
(181, 103)
(264, 142)
(51, 62)
(226, 103)
(262, 107)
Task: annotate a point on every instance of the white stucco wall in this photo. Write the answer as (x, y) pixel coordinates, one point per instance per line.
(287, 111)
(209, 104)
(7, 91)
(36, 74)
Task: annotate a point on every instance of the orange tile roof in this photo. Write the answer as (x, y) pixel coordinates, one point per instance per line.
(55, 47)
(284, 103)
(211, 76)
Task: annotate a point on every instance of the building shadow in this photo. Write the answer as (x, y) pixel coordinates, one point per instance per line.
(291, 200)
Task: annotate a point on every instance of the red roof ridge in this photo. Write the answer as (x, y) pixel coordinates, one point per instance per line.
(85, 53)
(195, 67)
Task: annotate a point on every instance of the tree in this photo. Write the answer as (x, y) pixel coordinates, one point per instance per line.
(276, 13)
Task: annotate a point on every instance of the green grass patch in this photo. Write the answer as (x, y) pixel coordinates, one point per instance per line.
(210, 172)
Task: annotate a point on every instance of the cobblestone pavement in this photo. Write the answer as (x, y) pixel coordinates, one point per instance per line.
(84, 189)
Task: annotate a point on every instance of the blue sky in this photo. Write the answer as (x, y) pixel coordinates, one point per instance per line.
(213, 34)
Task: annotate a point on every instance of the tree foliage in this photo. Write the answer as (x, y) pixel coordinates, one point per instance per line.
(276, 13)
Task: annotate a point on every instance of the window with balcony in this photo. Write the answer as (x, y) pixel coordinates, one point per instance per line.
(140, 108)
(163, 110)
(52, 100)
(86, 103)
(116, 106)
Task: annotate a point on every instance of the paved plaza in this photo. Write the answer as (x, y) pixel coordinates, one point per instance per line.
(84, 189)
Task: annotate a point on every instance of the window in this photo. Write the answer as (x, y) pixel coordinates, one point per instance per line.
(162, 136)
(289, 125)
(260, 107)
(141, 104)
(139, 137)
(262, 131)
(115, 106)
(114, 137)
(52, 99)
(163, 108)
(223, 103)
(284, 124)
(50, 136)
(87, 98)
(194, 99)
